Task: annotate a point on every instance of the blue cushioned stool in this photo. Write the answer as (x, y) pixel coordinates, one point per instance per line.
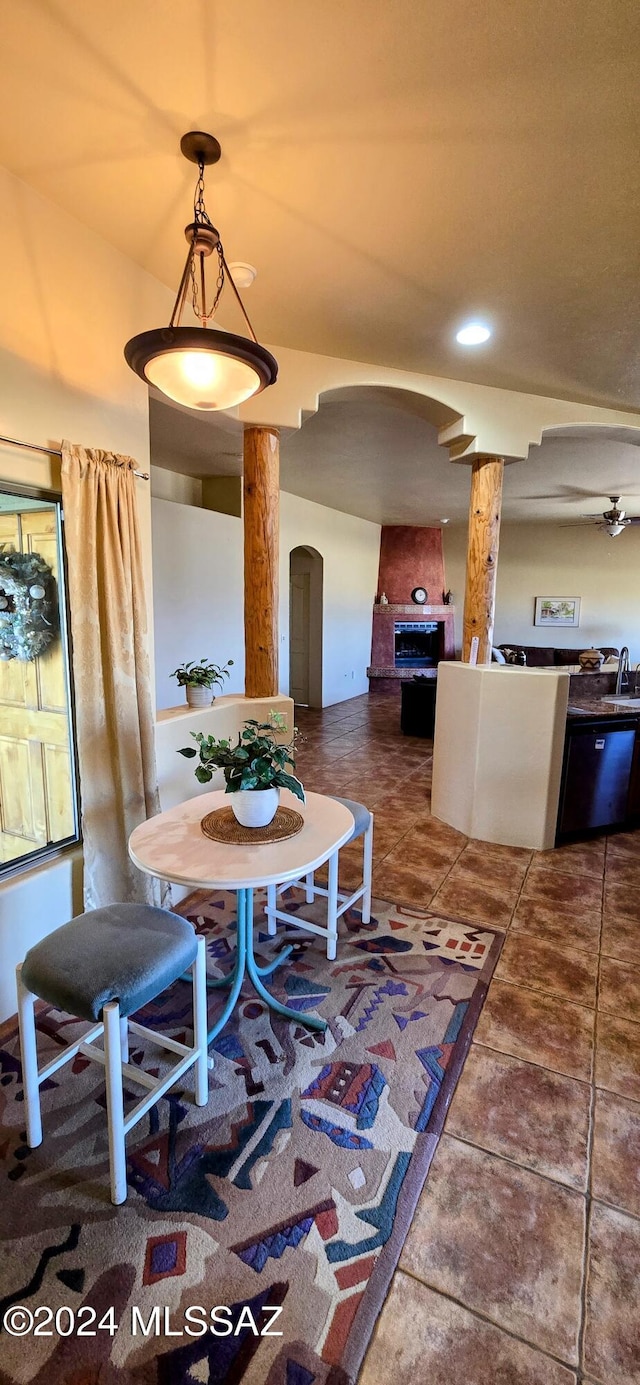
(103, 966)
(363, 827)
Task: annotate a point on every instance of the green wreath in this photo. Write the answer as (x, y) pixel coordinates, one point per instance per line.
(28, 605)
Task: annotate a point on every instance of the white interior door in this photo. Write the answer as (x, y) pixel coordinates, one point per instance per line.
(299, 606)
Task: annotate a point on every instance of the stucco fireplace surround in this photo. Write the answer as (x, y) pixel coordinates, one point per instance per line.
(410, 556)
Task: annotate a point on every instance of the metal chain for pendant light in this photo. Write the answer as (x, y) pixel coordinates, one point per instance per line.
(202, 218)
(200, 213)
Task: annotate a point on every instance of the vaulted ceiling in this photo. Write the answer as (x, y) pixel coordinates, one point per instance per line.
(391, 169)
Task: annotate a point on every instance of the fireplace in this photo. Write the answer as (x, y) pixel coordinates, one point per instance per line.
(408, 638)
(416, 644)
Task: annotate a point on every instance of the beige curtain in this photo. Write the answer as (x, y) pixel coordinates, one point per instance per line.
(113, 702)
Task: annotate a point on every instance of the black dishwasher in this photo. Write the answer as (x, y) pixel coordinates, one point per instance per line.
(596, 773)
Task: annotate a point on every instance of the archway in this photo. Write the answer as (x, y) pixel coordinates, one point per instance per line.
(305, 626)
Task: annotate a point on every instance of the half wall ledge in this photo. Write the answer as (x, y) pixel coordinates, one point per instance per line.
(225, 718)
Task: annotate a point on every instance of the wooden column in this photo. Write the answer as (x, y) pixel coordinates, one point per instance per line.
(261, 531)
(482, 555)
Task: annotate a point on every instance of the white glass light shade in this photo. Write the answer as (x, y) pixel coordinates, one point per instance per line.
(203, 379)
(202, 368)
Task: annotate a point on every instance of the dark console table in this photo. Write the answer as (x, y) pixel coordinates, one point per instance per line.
(418, 706)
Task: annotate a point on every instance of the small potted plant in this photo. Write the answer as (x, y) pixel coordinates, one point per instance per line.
(199, 679)
(255, 769)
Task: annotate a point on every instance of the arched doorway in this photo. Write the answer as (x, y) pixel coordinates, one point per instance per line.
(305, 626)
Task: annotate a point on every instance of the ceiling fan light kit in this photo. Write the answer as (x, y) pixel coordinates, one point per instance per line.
(612, 522)
(202, 367)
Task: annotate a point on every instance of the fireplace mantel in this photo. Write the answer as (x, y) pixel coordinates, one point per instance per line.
(418, 612)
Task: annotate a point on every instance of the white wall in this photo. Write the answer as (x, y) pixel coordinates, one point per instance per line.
(198, 598)
(69, 303)
(32, 904)
(350, 550)
(197, 593)
(547, 560)
(172, 485)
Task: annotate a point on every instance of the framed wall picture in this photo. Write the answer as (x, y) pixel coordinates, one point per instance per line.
(557, 610)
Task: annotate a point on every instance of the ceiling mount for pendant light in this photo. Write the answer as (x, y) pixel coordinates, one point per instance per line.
(202, 367)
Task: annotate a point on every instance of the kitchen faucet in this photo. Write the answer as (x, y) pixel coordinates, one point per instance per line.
(623, 680)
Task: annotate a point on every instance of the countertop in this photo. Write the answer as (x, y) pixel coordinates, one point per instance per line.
(597, 710)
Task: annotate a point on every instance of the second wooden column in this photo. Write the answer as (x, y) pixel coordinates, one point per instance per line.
(482, 555)
(261, 557)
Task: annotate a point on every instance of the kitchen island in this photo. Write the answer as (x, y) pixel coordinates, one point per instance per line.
(498, 751)
(524, 758)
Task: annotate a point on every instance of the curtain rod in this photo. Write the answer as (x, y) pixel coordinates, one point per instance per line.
(54, 452)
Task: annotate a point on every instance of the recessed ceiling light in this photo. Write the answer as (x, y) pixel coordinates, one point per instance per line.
(473, 334)
(444, 521)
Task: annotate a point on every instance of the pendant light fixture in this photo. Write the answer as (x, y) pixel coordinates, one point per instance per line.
(202, 367)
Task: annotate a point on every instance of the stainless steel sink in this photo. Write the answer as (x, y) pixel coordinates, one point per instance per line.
(623, 701)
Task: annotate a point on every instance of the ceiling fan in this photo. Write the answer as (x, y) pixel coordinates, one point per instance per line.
(612, 521)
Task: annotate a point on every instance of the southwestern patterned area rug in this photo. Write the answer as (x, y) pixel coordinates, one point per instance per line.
(292, 1190)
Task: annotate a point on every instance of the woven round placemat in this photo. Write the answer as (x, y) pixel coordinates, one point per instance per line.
(221, 826)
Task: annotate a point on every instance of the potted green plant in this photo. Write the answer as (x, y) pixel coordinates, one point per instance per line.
(199, 679)
(255, 768)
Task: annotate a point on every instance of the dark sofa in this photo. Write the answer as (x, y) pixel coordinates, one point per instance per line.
(545, 656)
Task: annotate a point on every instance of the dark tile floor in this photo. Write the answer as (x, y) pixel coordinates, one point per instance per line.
(522, 1266)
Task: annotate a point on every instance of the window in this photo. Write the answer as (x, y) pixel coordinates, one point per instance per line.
(38, 792)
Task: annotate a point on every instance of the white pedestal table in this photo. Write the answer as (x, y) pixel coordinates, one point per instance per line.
(173, 847)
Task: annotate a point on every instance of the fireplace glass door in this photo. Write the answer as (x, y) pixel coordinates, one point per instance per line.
(417, 644)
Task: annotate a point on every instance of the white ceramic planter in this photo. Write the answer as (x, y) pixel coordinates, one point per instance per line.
(255, 807)
(199, 697)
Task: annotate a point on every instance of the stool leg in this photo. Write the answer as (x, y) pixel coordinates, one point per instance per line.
(29, 1054)
(309, 892)
(115, 1103)
(367, 873)
(124, 1038)
(271, 904)
(199, 974)
(332, 908)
